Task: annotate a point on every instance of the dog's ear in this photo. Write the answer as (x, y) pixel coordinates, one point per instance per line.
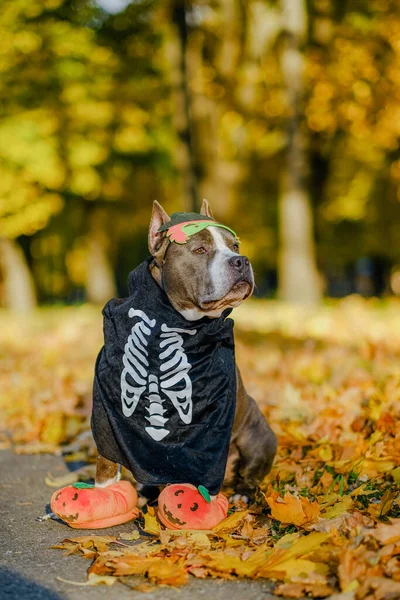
(157, 239)
(206, 210)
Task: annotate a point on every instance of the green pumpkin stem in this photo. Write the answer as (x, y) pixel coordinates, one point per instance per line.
(81, 485)
(205, 493)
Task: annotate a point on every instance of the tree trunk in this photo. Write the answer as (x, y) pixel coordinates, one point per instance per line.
(19, 290)
(298, 275)
(180, 77)
(100, 282)
(222, 173)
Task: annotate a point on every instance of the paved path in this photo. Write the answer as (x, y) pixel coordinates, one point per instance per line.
(28, 567)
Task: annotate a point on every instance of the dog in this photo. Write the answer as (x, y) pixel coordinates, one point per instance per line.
(203, 278)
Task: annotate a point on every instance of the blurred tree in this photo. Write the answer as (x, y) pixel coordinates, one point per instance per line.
(18, 287)
(353, 87)
(47, 62)
(101, 113)
(298, 276)
(73, 127)
(183, 111)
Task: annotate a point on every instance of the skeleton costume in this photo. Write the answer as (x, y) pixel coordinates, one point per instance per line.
(164, 389)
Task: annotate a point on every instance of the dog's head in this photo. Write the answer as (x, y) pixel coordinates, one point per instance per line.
(204, 273)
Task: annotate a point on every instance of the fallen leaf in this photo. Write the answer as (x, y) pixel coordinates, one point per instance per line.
(288, 568)
(387, 533)
(99, 543)
(284, 562)
(382, 588)
(291, 509)
(351, 570)
(298, 590)
(82, 474)
(92, 580)
(338, 508)
(165, 572)
(232, 522)
(198, 572)
(330, 524)
(127, 564)
(247, 530)
(198, 539)
(151, 525)
(333, 402)
(131, 536)
(385, 505)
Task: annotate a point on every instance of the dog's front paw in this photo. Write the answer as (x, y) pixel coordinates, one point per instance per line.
(239, 499)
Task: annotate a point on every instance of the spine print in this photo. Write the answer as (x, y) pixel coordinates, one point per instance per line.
(156, 411)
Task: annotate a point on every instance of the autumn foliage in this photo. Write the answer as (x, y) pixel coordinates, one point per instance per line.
(327, 518)
(92, 130)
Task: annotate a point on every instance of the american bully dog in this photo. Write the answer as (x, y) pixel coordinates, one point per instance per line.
(198, 276)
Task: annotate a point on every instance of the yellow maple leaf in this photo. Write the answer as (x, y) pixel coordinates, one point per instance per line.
(151, 525)
(232, 522)
(167, 573)
(291, 509)
(99, 543)
(339, 508)
(281, 562)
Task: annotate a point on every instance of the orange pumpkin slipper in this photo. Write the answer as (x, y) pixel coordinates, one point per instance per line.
(84, 506)
(184, 506)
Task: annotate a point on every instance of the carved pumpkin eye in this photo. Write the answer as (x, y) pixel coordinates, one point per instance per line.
(179, 492)
(194, 507)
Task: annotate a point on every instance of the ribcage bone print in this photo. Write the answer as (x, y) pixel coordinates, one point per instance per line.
(134, 376)
(171, 381)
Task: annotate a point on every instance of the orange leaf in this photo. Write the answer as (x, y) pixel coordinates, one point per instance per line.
(298, 590)
(164, 572)
(291, 509)
(387, 534)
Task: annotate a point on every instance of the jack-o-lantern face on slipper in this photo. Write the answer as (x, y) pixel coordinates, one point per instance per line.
(182, 503)
(83, 506)
(183, 506)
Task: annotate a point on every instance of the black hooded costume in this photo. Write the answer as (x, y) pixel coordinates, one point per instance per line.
(164, 389)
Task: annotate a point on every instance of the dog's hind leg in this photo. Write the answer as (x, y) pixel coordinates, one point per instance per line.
(253, 446)
(257, 444)
(107, 472)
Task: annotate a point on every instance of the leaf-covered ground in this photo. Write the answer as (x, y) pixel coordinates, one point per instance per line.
(326, 520)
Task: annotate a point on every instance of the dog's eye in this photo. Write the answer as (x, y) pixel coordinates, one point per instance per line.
(200, 250)
(236, 247)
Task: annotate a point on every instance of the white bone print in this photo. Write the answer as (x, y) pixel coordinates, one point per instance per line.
(174, 368)
(156, 411)
(135, 362)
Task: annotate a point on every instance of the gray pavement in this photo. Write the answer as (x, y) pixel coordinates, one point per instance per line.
(29, 567)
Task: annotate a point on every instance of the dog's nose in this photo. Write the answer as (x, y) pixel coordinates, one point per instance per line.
(240, 263)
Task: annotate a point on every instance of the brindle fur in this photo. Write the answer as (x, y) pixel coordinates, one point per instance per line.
(253, 443)
(106, 470)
